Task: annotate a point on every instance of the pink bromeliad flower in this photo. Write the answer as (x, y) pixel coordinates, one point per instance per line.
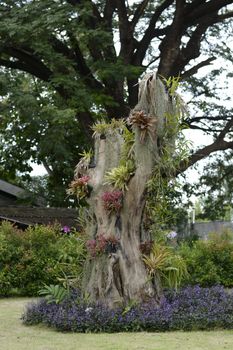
(112, 201)
(79, 186)
(82, 181)
(102, 244)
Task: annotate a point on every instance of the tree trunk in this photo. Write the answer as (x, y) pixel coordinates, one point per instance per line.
(117, 274)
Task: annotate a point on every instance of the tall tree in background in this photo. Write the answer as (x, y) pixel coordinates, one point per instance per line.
(215, 188)
(67, 63)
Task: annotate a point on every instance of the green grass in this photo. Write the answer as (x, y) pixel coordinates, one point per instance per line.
(15, 336)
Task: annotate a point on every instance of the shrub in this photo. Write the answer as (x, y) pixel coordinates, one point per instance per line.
(209, 262)
(191, 308)
(166, 265)
(40, 255)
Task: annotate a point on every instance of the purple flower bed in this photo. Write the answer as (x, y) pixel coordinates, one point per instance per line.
(191, 308)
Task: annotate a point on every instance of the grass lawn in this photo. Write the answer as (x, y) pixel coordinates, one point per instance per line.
(15, 336)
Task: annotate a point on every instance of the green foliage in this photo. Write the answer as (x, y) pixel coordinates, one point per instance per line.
(127, 152)
(102, 127)
(87, 155)
(172, 84)
(53, 293)
(62, 70)
(209, 262)
(163, 188)
(40, 255)
(166, 265)
(43, 132)
(118, 177)
(215, 189)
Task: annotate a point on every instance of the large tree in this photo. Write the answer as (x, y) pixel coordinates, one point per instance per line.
(86, 59)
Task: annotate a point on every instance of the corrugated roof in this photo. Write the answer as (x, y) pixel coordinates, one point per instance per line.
(40, 215)
(20, 193)
(12, 189)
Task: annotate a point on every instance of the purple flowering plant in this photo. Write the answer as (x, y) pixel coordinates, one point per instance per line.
(190, 308)
(172, 235)
(66, 229)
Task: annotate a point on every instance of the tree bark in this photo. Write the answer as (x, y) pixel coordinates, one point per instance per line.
(120, 275)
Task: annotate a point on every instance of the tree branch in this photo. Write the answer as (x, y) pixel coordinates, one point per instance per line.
(47, 168)
(27, 63)
(203, 153)
(194, 15)
(143, 45)
(109, 51)
(126, 34)
(227, 15)
(218, 145)
(81, 65)
(190, 72)
(138, 13)
(110, 6)
(217, 118)
(225, 130)
(169, 47)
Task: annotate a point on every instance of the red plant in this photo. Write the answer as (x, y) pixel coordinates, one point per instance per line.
(144, 122)
(102, 245)
(79, 187)
(82, 181)
(92, 247)
(112, 201)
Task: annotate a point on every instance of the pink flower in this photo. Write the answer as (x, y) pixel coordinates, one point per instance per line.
(79, 187)
(102, 244)
(112, 200)
(82, 181)
(66, 229)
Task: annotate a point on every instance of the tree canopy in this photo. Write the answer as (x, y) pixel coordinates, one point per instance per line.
(67, 63)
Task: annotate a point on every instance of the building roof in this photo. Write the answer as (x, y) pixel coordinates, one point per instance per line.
(26, 216)
(12, 189)
(19, 193)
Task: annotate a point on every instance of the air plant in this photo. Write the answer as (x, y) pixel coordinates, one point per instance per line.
(84, 162)
(112, 201)
(163, 263)
(144, 122)
(102, 244)
(102, 127)
(119, 177)
(172, 84)
(79, 187)
(128, 148)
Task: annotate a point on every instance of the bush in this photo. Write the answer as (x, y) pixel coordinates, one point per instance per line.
(191, 308)
(209, 262)
(40, 255)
